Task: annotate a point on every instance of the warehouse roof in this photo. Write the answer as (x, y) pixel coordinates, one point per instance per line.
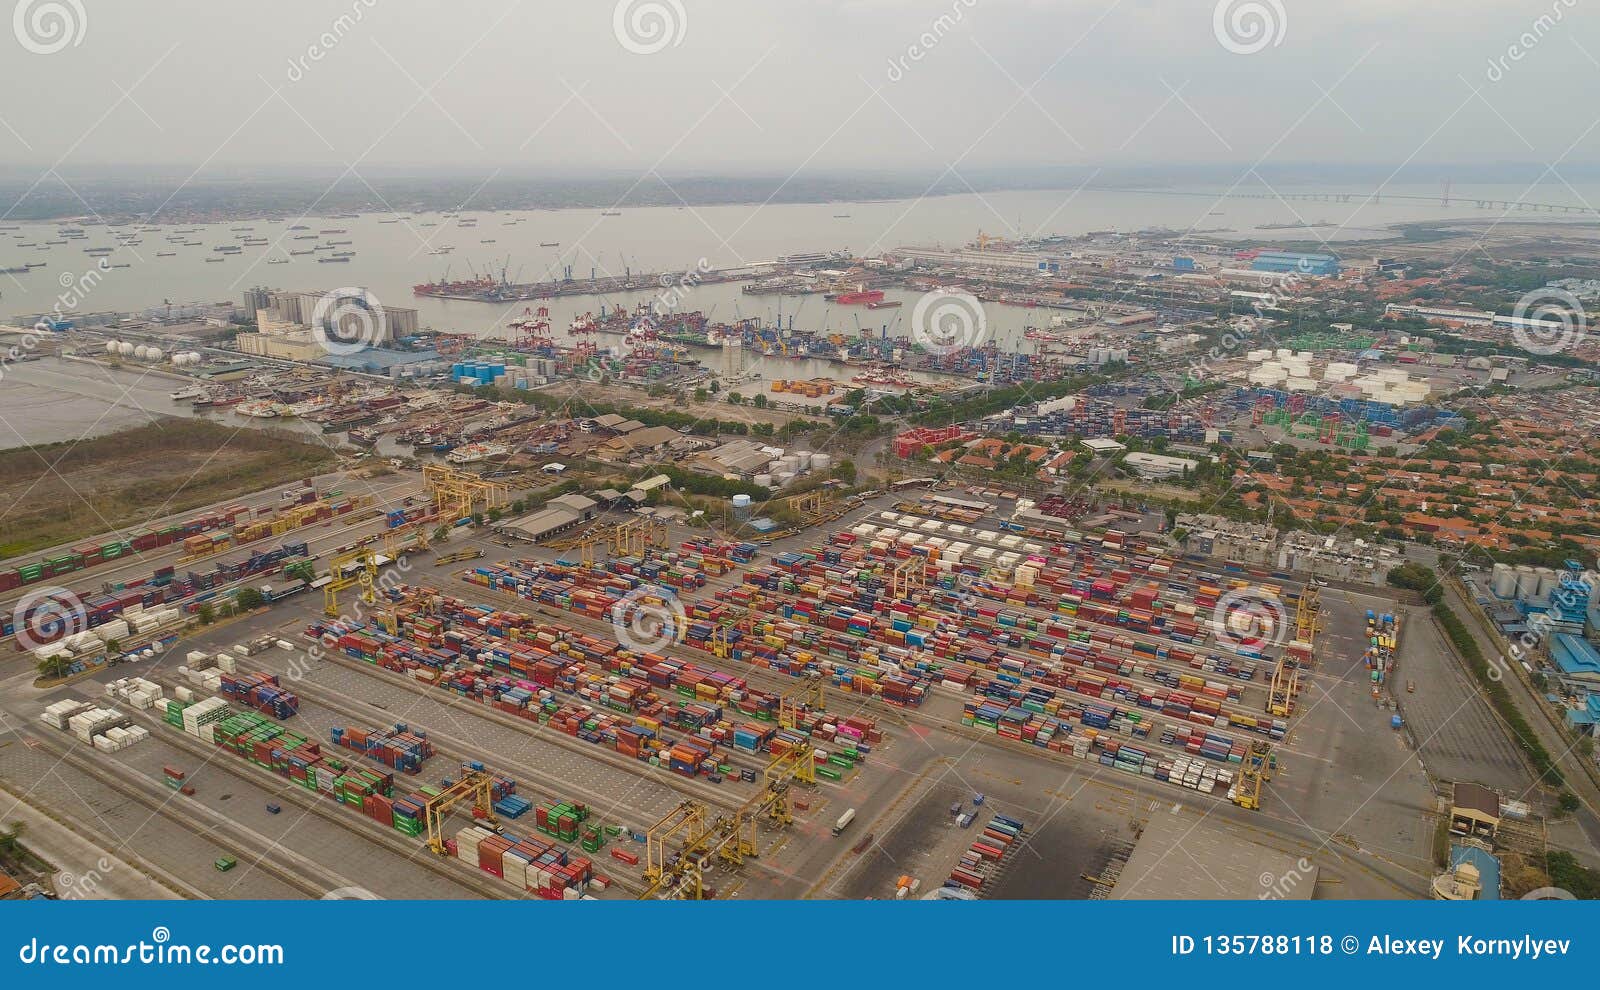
(574, 501)
(1179, 858)
(1476, 797)
(545, 522)
(1575, 655)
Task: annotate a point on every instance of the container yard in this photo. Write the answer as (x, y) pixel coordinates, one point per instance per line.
(526, 726)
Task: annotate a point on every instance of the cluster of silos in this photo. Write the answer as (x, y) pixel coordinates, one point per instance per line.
(139, 352)
(1523, 582)
(184, 359)
(1107, 355)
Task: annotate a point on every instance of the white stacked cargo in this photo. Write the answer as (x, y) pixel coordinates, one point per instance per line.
(82, 643)
(467, 841)
(115, 629)
(114, 739)
(183, 694)
(86, 725)
(226, 664)
(52, 651)
(57, 715)
(199, 718)
(136, 691)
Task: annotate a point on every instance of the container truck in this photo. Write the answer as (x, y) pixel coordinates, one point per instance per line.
(844, 821)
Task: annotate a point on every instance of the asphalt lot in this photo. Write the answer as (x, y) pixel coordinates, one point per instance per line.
(1460, 738)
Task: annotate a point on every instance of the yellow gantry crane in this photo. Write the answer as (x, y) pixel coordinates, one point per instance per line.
(808, 504)
(634, 537)
(731, 838)
(475, 786)
(690, 820)
(1308, 615)
(347, 570)
(798, 765)
(907, 575)
(812, 695)
(457, 494)
(1255, 771)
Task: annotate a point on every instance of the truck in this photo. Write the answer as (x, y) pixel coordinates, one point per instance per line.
(844, 821)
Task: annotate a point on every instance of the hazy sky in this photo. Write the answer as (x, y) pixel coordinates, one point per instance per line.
(762, 84)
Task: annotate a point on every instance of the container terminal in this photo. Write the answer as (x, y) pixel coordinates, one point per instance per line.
(463, 666)
(898, 701)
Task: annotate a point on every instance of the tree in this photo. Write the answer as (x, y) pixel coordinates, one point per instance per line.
(760, 401)
(700, 395)
(249, 598)
(495, 514)
(206, 614)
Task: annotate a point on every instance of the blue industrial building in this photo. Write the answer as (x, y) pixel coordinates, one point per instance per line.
(1295, 263)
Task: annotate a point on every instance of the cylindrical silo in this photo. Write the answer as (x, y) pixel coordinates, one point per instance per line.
(1504, 581)
(1547, 581)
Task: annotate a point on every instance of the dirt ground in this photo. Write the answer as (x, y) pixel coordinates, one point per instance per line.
(716, 408)
(55, 493)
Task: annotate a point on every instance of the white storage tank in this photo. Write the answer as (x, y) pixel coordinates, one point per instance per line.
(125, 349)
(783, 478)
(113, 347)
(153, 354)
(1548, 581)
(1527, 581)
(764, 480)
(802, 459)
(822, 462)
(1504, 581)
(1297, 384)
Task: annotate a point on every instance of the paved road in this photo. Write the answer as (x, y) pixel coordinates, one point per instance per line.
(1578, 775)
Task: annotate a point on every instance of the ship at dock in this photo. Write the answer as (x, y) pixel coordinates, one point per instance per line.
(473, 453)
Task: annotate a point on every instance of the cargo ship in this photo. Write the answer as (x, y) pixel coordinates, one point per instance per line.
(472, 453)
(332, 260)
(462, 287)
(858, 298)
(185, 394)
(260, 409)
